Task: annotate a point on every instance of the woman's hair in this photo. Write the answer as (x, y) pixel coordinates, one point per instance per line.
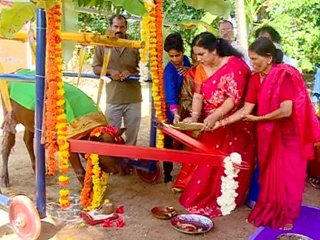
(275, 36)
(210, 42)
(173, 42)
(264, 47)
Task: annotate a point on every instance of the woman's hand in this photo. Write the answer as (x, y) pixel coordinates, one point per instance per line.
(183, 70)
(209, 123)
(190, 120)
(252, 118)
(217, 125)
(176, 118)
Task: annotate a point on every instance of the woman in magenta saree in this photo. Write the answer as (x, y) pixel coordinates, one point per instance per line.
(218, 95)
(287, 129)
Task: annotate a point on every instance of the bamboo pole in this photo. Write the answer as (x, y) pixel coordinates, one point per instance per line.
(103, 73)
(88, 39)
(4, 91)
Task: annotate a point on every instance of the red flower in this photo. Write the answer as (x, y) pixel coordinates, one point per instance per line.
(120, 209)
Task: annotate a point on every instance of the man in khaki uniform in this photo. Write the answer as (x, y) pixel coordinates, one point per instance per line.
(123, 96)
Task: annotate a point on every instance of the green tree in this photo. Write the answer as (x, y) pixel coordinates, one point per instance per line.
(298, 22)
(176, 12)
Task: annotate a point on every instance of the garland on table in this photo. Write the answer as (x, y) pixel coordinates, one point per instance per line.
(91, 199)
(227, 200)
(156, 64)
(55, 118)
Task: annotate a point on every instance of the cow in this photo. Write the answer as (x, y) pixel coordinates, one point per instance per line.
(24, 116)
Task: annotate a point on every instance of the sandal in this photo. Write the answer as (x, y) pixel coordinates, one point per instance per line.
(315, 182)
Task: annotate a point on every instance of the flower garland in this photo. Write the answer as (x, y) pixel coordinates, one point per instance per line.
(156, 64)
(92, 199)
(144, 52)
(86, 194)
(229, 186)
(52, 88)
(99, 180)
(55, 118)
(159, 24)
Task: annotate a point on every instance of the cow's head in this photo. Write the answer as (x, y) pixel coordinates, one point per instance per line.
(110, 134)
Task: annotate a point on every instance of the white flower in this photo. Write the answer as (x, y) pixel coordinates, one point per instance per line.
(236, 157)
(144, 71)
(228, 185)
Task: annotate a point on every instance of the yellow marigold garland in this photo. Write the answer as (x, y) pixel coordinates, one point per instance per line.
(91, 199)
(156, 65)
(99, 180)
(55, 118)
(144, 52)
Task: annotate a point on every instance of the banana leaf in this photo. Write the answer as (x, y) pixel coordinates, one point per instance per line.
(14, 18)
(215, 7)
(132, 6)
(69, 24)
(189, 24)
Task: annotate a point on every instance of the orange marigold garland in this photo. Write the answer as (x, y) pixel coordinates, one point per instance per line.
(52, 88)
(56, 121)
(86, 194)
(156, 64)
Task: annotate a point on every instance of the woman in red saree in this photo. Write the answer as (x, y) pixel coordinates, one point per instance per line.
(287, 129)
(220, 82)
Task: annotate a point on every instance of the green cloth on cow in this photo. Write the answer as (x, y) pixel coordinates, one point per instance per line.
(77, 105)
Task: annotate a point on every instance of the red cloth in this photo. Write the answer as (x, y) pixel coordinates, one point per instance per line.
(286, 89)
(204, 187)
(284, 145)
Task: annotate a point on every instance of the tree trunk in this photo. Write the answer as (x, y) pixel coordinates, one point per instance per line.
(242, 36)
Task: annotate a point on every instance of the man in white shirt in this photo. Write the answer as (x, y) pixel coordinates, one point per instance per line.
(226, 31)
(269, 32)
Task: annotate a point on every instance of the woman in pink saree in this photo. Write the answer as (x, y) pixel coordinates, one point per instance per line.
(220, 83)
(287, 129)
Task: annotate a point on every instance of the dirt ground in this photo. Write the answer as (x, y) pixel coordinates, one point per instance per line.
(137, 197)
